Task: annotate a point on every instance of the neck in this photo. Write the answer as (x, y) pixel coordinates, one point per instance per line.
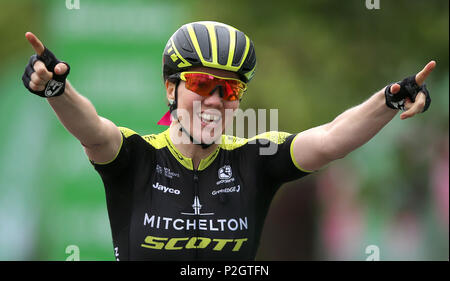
(190, 150)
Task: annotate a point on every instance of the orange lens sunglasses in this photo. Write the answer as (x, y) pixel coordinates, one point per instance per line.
(205, 84)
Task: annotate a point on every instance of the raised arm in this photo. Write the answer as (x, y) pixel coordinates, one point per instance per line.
(99, 136)
(316, 147)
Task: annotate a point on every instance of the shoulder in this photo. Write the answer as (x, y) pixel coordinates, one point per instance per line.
(273, 136)
(232, 142)
(156, 140)
(126, 132)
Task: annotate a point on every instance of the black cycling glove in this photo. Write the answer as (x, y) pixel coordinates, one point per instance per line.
(408, 89)
(56, 85)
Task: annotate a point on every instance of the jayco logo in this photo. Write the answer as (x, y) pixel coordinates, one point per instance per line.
(166, 189)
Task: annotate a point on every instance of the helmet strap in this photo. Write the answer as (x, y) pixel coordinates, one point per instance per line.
(172, 108)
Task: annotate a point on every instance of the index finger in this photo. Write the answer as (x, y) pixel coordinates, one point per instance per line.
(35, 43)
(423, 74)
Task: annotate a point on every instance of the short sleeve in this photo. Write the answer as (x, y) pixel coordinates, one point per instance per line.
(121, 162)
(279, 164)
(117, 177)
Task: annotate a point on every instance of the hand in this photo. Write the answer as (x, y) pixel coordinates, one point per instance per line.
(43, 68)
(412, 108)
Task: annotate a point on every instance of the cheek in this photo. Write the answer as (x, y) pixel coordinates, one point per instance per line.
(233, 105)
(185, 105)
(187, 99)
(229, 109)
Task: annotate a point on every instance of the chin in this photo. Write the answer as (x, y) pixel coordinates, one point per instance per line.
(209, 134)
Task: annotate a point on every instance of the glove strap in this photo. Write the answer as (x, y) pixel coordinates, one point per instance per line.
(408, 89)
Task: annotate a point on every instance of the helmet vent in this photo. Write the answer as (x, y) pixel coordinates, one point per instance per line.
(223, 45)
(240, 48)
(203, 39)
(186, 43)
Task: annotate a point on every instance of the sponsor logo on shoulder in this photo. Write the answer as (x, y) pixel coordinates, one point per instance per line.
(166, 189)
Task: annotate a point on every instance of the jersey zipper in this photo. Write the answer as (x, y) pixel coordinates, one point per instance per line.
(197, 217)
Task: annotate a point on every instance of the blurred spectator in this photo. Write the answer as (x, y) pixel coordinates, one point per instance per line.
(440, 183)
(342, 224)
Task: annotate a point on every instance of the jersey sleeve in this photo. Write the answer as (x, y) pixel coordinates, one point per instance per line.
(118, 180)
(277, 160)
(122, 160)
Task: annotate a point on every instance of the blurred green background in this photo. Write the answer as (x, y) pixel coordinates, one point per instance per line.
(316, 58)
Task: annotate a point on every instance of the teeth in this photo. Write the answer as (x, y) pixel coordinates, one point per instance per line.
(209, 117)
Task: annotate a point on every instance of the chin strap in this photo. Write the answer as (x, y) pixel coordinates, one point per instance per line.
(173, 108)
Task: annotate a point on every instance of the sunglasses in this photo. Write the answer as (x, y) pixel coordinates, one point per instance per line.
(204, 84)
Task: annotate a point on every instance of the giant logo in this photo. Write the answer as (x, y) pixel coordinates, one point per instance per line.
(225, 172)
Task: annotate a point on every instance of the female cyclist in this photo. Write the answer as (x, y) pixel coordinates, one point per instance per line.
(191, 192)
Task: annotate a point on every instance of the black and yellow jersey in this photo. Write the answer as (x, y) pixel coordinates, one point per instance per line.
(161, 208)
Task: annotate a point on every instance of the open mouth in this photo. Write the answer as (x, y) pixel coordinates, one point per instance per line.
(209, 118)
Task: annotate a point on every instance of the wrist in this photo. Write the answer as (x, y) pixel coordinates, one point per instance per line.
(68, 91)
(380, 97)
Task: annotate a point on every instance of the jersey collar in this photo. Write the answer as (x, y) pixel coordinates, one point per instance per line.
(186, 161)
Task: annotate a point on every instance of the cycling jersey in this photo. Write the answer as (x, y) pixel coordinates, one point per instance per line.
(161, 208)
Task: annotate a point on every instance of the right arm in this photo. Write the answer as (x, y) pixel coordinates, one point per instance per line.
(100, 137)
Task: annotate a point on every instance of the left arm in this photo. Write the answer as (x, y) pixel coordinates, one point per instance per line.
(316, 147)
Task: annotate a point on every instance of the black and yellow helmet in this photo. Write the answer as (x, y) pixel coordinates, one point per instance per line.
(210, 44)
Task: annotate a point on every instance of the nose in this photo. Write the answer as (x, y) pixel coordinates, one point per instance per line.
(215, 98)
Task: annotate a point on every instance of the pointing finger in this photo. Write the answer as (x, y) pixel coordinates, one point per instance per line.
(423, 74)
(35, 43)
